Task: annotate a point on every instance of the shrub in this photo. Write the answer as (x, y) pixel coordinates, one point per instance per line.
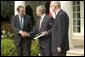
(7, 10)
(35, 48)
(6, 35)
(8, 48)
(6, 26)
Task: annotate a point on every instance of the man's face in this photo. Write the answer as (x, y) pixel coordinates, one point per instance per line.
(52, 7)
(21, 11)
(38, 12)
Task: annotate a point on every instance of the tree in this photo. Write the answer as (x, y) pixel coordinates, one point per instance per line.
(7, 10)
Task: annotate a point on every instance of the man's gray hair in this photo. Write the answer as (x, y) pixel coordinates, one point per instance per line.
(41, 8)
(56, 3)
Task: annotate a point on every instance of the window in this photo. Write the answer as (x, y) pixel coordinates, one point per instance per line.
(76, 17)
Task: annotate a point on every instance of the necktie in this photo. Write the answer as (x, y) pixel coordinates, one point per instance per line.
(21, 22)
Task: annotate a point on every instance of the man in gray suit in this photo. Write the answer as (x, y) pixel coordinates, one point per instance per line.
(43, 23)
(21, 25)
(59, 31)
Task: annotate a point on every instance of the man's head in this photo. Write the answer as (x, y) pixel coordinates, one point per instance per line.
(21, 10)
(40, 10)
(55, 5)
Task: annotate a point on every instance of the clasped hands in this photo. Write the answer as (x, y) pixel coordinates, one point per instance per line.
(24, 33)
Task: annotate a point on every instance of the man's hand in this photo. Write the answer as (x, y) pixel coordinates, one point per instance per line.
(24, 33)
(59, 49)
(44, 32)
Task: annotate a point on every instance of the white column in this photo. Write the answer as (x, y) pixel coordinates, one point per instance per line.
(67, 6)
(82, 17)
(16, 4)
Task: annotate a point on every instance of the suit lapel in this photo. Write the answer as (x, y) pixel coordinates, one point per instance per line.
(18, 21)
(43, 22)
(38, 24)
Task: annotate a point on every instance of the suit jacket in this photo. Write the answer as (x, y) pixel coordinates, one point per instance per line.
(15, 23)
(46, 25)
(60, 31)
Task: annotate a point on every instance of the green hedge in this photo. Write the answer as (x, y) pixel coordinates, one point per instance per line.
(35, 48)
(7, 47)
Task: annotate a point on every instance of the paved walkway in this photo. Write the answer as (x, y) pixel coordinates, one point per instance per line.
(76, 52)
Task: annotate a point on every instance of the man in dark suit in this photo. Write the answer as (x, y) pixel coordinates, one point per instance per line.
(21, 25)
(59, 31)
(43, 24)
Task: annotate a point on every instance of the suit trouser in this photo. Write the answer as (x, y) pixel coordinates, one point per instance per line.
(24, 48)
(45, 47)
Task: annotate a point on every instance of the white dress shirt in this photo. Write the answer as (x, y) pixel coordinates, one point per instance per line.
(41, 19)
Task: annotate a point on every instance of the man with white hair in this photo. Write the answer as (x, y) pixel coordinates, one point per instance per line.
(59, 31)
